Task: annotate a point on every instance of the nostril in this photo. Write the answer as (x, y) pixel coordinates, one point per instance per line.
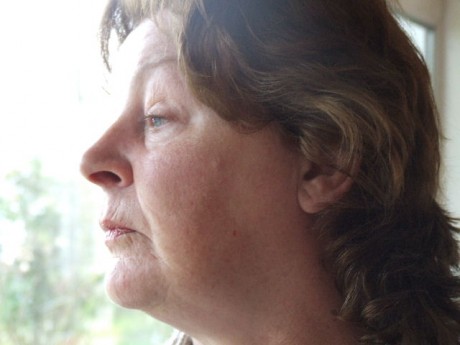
(105, 178)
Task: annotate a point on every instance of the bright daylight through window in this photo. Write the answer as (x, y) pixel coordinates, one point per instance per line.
(52, 255)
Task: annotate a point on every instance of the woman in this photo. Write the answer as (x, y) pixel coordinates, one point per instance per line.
(272, 173)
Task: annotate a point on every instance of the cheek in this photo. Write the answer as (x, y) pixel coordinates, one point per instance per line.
(183, 196)
(189, 219)
(207, 204)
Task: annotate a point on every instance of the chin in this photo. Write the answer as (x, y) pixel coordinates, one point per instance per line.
(135, 284)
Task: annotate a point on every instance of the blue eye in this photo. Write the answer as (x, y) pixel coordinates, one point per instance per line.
(155, 121)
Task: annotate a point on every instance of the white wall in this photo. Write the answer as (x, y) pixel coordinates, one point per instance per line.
(429, 12)
(450, 102)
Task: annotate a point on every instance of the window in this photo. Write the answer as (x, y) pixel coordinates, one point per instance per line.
(52, 255)
(423, 38)
(438, 18)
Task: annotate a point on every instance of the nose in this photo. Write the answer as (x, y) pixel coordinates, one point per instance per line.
(106, 163)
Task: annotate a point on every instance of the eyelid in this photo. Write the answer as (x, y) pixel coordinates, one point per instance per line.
(157, 108)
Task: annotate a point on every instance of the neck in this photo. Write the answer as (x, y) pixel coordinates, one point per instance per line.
(284, 323)
(297, 306)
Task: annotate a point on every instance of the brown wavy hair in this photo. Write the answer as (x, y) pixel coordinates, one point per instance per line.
(345, 83)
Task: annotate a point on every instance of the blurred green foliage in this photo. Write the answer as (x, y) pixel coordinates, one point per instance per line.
(48, 292)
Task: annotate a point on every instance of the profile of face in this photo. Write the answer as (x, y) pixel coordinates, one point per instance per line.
(198, 212)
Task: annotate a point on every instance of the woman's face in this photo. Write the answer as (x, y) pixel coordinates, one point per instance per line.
(196, 210)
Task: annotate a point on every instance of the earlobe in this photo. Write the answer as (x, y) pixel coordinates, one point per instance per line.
(320, 186)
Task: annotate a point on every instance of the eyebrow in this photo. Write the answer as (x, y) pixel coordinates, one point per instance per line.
(144, 67)
(154, 64)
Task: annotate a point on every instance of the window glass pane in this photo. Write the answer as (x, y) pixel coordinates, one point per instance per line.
(52, 254)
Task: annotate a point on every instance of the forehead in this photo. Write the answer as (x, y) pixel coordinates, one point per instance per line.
(150, 44)
(147, 62)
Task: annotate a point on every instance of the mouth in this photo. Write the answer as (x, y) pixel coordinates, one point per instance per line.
(114, 231)
(122, 241)
(113, 234)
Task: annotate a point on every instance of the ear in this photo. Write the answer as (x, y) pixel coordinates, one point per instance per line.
(320, 186)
